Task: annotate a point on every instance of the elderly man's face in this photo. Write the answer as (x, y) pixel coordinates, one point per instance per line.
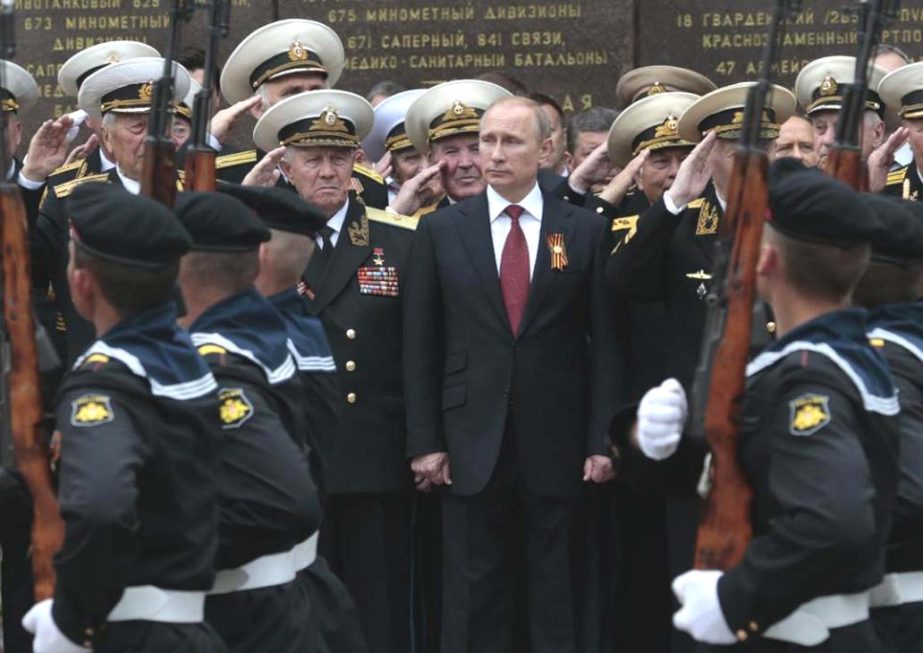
(583, 147)
(916, 139)
(461, 165)
(659, 171)
(124, 138)
(824, 123)
(555, 158)
(406, 164)
(322, 175)
(796, 141)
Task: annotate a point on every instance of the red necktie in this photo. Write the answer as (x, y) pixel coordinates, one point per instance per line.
(514, 270)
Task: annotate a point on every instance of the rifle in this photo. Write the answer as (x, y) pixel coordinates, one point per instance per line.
(200, 159)
(720, 382)
(158, 175)
(845, 161)
(21, 355)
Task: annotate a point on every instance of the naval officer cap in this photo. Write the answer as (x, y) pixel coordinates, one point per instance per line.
(96, 57)
(278, 208)
(285, 47)
(315, 119)
(128, 87)
(19, 90)
(219, 223)
(807, 205)
(902, 91)
(820, 85)
(649, 124)
(648, 81)
(111, 224)
(450, 109)
(900, 242)
(722, 112)
(389, 133)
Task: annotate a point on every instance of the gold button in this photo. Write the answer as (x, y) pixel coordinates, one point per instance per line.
(351, 334)
(771, 327)
(742, 635)
(599, 209)
(351, 398)
(754, 627)
(350, 366)
(89, 632)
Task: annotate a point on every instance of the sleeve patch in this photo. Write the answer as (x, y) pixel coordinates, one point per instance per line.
(809, 414)
(235, 408)
(91, 410)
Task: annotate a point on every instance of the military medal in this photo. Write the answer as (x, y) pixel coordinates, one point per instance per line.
(558, 251)
(378, 256)
(379, 280)
(306, 290)
(702, 276)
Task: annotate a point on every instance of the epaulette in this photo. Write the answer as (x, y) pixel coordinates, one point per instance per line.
(65, 189)
(696, 204)
(236, 159)
(67, 167)
(897, 176)
(394, 219)
(368, 172)
(426, 210)
(628, 222)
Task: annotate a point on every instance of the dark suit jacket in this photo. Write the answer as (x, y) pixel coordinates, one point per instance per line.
(468, 379)
(364, 331)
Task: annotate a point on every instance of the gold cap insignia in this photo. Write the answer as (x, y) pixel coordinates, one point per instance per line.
(809, 414)
(829, 86)
(297, 51)
(113, 58)
(458, 108)
(656, 89)
(146, 91)
(331, 117)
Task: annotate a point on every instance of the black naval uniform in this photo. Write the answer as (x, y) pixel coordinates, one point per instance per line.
(366, 534)
(268, 500)
(368, 184)
(819, 444)
(137, 485)
(905, 183)
(897, 332)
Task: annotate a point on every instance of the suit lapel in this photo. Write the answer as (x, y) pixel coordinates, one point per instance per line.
(474, 230)
(346, 259)
(556, 219)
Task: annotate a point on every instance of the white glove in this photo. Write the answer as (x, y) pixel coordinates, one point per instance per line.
(661, 417)
(78, 117)
(701, 615)
(48, 638)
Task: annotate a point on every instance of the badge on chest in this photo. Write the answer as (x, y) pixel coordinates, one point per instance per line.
(379, 278)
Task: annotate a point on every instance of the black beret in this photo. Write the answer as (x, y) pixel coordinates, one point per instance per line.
(279, 208)
(901, 239)
(220, 223)
(807, 205)
(108, 222)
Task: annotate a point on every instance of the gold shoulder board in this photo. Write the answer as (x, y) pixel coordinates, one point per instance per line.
(897, 176)
(236, 159)
(65, 189)
(67, 167)
(394, 219)
(696, 204)
(368, 172)
(425, 210)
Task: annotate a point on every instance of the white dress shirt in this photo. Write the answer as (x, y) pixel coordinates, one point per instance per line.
(105, 164)
(673, 208)
(530, 221)
(132, 186)
(335, 223)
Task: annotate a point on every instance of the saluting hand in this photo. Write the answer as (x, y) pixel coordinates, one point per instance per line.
(694, 173)
(415, 191)
(592, 170)
(881, 160)
(223, 121)
(266, 173)
(47, 149)
(384, 166)
(81, 152)
(615, 190)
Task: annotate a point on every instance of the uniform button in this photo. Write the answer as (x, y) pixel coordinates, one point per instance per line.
(771, 327)
(599, 209)
(351, 398)
(754, 627)
(350, 366)
(742, 635)
(567, 198)
(351, 334)
(88, 644)
(89, 632)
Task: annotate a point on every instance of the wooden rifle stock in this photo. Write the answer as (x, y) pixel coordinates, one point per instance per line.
(846, 164)
(200, 170)
(725, 528)
(158, 175)
(29, 439)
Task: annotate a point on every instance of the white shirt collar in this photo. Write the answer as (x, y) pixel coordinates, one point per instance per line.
(104, 163)
(337, 219)
(532, 203)
(721, 201)
(132, 186)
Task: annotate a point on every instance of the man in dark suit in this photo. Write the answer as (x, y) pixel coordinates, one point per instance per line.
(354, 284)
(509, 374)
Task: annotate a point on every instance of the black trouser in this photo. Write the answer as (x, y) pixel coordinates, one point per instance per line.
(486, 537)
(16, 582)
(900, 627)
(858, 638)
(269, 620)
(334, 611)
(366, 538)
(427, 570)
(151, 637)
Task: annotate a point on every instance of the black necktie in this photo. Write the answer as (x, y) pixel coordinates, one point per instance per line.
(322, 257)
